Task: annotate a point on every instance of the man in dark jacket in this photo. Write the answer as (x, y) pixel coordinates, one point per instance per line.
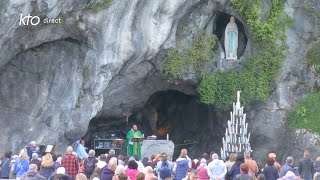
(108, 171)
(32, 174)
(287, 167)
(32, 148)
(244, 175)
(5, 165)
(305, 167)
(90, 163)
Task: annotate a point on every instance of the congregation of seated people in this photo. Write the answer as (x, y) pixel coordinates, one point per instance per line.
(31, 165)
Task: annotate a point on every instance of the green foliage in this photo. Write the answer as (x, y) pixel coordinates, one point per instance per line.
(313, 57)
(309, 7)
(258, 73)
(307, 113)
(219, 87)
(181, 60)
(85, 73)
(78, 103)
(98, 5)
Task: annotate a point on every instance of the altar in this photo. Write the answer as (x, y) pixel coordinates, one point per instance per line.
(151, 147)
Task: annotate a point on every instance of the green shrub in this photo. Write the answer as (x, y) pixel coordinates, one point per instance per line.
(85, 73)
(307, 113)
(259, 71)
(182, 60)
(313, 57)
(219, 87)
(98, 5)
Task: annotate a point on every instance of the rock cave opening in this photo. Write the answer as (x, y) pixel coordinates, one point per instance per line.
(221, 22)
(191, 125)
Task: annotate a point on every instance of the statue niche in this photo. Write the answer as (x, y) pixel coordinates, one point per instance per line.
(231, 39)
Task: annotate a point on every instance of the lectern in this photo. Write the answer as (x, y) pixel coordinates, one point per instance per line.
(136, 139)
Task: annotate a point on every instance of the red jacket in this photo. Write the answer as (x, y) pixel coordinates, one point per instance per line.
(71, 163)
(203, 173)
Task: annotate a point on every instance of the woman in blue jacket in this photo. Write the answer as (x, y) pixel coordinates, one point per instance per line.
(21, 165)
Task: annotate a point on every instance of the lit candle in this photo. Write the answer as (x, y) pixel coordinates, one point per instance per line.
(241, 110)
(236, 128)
(246, 128)
(238, 96)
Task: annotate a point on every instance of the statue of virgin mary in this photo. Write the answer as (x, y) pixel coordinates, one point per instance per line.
(231, 39)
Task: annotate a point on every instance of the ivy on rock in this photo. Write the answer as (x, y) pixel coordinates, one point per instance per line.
(259, 71)
(182, 60)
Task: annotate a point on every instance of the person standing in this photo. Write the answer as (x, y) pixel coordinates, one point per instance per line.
(47, 167)
(90, 163)
(287, 167)
(22, 164)
(203, 170)
(244, 170)
(108, 171)
(133, 147)
(235, 169)
(32, 148)
(216, 168)
(5, 165)
(252, 165)
(276, 164)
(183, 163)
(71, 163)
(306, 166)
(32, 174)
(80, 149)
(164, 167)
(317, 165)
(271, 171)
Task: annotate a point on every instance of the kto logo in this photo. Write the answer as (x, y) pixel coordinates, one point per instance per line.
(33, 20)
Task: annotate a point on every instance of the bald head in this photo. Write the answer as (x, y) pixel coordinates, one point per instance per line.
(70, 150)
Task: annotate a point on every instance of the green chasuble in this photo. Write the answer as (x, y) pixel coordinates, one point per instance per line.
(133, 147)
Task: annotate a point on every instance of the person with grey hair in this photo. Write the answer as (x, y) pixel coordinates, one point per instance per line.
(32, 174)
(288, 166)
(71, 163)
(108, 171)
(216, 168)
(35, 160)
(316, 176)
(112, 153)
(90, 163)
(32, 148)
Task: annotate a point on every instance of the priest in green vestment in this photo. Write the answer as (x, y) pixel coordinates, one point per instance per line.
(133, 147)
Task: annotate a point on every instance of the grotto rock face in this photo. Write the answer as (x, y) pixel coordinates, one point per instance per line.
(54, 78)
